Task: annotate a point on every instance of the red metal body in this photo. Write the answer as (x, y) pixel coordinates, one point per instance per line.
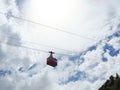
(51, 61)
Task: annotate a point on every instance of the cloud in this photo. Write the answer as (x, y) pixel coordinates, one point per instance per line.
(21, 68)
(19, 3)
(37, 82)
(6, 84)
(83, 21)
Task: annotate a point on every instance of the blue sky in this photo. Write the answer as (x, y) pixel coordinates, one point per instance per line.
(89, 64)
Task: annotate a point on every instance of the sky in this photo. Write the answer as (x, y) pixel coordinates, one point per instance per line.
(85, 60)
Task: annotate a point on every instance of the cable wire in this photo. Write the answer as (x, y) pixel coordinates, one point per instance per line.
(35, 49)
(39, 44)
(47, 26)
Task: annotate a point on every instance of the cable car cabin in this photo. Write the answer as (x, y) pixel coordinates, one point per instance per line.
(51, 61)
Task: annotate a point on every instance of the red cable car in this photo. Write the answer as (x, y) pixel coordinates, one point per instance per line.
(51, 61)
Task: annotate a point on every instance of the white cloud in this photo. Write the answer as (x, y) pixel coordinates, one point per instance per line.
(6, 84)
(115, 43)
(80, 16)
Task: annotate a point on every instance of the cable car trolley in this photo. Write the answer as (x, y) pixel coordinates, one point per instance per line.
(51, 60)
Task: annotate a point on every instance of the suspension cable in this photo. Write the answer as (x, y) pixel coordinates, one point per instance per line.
(47, 26)
(39, 44)
(30, 48)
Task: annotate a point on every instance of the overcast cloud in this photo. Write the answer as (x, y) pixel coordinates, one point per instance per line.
(98, 48)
